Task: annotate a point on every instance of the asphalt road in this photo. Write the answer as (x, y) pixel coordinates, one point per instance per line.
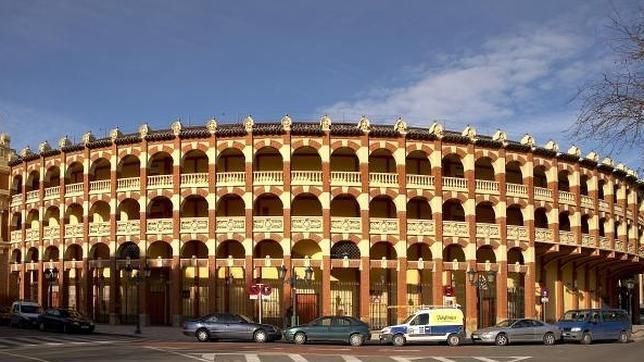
(31, 345)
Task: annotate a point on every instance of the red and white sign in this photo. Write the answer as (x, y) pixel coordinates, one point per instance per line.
(255, 289)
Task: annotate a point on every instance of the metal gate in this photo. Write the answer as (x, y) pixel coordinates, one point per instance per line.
(382, 297)
(232, 297)
(345, 298)
(307, 300)
(271, 304)
(516, 303)
(418, 295)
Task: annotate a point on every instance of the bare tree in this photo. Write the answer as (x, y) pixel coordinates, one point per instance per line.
(612, 108)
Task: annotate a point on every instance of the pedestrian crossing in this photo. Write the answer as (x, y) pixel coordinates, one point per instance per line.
(65, 340)
(293, 357)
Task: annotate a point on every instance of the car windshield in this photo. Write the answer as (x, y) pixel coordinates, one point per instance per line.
(575, 316)
(31, 309)
(245, 319)
(506, 323)
(408, 319)
(69, 313)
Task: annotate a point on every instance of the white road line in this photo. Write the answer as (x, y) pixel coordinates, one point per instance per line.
(484, 359)
(297, 358)
(176, 353)
(23, 356)
(252, 358)
(400, 359)
(349, 358)
(443, 359)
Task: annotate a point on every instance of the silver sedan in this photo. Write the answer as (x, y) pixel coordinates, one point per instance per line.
(518, 330)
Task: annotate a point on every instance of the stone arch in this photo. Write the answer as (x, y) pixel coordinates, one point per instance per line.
(232, 248)
(99, 251)
(514, 215)
(306, 248)
(306, 204)
(159, 249)
(129, 166)
(345, 205)
(33, 219)
(196, 248)
(32, 255)
(74, 173)
(16, 256)
(99, 212)
(231, 205)
(541, 218)
(160, 163)
(231, 160)
(453, 210)
(194, 206)
(194, 161)
(452, 166)
(419, 250)
(51, 253)
(306, 158)
(268, 158)
(345, 248)
(268, 204)
(382, 160)
(100, 169)
(128, 249)
(564, 221)
(585, 224)
(382, 206)
(382, 249)
(16, 221)
(74, 252)
(160, 207)
(484, 169)
(128, 209)
(513, 173)
(417, 163)
(485, 213)
(52, 216)
(16, 185)
(454, 252)
(344, 159)
(563, 183)
(515, 255)
(270, 248)
(484, 254)
(52, 177)
(419, 208)
(33, 181)
(540, 176)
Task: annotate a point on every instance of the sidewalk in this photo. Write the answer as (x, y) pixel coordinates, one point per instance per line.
(152, 332)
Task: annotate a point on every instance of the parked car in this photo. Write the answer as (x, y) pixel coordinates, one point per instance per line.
(24, 314)
(435, 324)
(588, 325)
(518, 330)
(230, 327)
(65, 320)
(330, 329)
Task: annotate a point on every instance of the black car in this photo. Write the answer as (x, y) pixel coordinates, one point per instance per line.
(66, 320)
(230, 327)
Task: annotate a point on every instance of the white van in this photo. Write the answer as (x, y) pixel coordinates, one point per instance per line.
(431, 324)
(24, 314)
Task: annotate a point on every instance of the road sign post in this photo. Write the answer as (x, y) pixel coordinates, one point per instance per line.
(544, 302)
(258, 291)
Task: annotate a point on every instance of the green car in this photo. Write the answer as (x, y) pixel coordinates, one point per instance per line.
(330, 329)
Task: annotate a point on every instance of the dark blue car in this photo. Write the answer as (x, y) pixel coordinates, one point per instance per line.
(588, 325)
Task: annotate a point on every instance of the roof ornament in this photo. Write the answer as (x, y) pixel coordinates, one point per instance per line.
(44, 147)
(592, 156)
(436, 129)
(286, 122)
(621, 167)
(575, 151)
(249, 123)
(211, 125)
(325, 123)
(527, 140)
(469, 132)
(364, 124)
(5, 140)
(12, 154)
(144, 130)
(88, 137)
(116, 133)
(64, 142)
(26, 152)
(400, 126)
(500, 136)
(176, 127)
(552, 146)
(608, 162)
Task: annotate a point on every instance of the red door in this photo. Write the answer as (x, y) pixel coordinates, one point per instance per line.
(307, 307)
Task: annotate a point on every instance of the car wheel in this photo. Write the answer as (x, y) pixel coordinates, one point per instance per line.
(501, 339)
(356, 340)
(398, 340)
(299, 338)
(453, 340)
(586, 338)
(623, 337)
(549, 339)
(259, 336)
(41, 326)
(202, 335)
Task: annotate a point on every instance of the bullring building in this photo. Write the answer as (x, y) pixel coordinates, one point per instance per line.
(372, 221)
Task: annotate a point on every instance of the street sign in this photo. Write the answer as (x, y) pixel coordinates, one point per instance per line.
(545, 299)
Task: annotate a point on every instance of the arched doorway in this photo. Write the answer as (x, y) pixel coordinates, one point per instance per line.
(486, 289)
(419, 279)
(516, 291)
(231, 296)
(99, 259)
(383, 302)
(308, 293)
(159, 255)
(345, 279)
(268, 255)
(194, 260)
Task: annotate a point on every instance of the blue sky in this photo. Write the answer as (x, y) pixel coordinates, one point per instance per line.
(71, 66)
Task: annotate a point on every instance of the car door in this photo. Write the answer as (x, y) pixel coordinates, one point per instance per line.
(538, 330)
(215, 326)
(521, 331)
(419, 328)
(239, 328)
(610, 324)
(319, 330)
(340, 329)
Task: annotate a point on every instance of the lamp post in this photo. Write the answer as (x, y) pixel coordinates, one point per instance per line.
(292, 280)
(480, 280)
(137, 276)
(630, 284)
(51, 274)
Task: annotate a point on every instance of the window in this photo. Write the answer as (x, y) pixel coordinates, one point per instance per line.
(212, 319)
(341, 322)
(420, 320)
(522, 324)
(609, 316)
(323, 322)
(536, 323)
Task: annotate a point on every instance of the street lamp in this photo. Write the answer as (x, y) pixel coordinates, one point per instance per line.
(137, 276)
(292, 280)
(51, 274)
(630, 284)
(481, 280)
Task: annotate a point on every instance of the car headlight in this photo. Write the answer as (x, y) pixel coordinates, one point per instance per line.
(575, 329)
(487, 334)
(76, 323)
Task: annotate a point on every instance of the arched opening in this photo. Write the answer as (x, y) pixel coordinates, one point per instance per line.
(231, 160)
(453, 210)
(540, 218)
(345, 281)
(195, 278)
(454, 253)
(128, 250)
(485, 213)
(32, 255)
(585, 228)
(230, 249)
(268, 248)
(306, 248)
(564, 221)
(231, 205)
(74, 252)
(100, 170)
(160, 163)
(74, 173)
(33, 219)
(51, 254)
(52, 177)
(602, 226)
(563, 183)
(99, 212)
(306, 205)
(128, 167)
(194, 248)
(514, 215)
(615, 192)
(513, 173)
(383, 287)
(485, 254)
(345, 205)
(483, 169)
(231, 286)
(452, 166)
(195, 161)
(417, 163)
(382, 207)
(601, 184)
(160, 208)
(159, 250)
(16, 185)
(33, 181)
(345, 249)
(306, 159)
(382, 161)
(539, 176)
(344, 159)
(194, 206)
(419, 208)
(486, 299)
(515, 256)
(16, 222)
(16, 256)
(99, 251)
(72, 276)
(52, 216)
(516, 286)
(268, 159)
(128, 209)
(583, 185)
(268, 205)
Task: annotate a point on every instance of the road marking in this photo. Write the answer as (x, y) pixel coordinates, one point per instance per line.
(252, 358)
(23, 356)
(297, 357)
(443, 359)
(175, 353)
(400, 359)
(348, 358)
(484, 359)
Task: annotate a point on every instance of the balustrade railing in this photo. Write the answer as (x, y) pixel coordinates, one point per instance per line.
(345, 178)
(517, 233)
(542, 193)
(487, 186)
(306, 177)
(516, 190)
(421, 227)
(586, 201)
(16, 199)
(52, 192)
(420, 181)
(160, 181)
(383, 179)
(33, 195)
(268, 177)
(383, 225)
(128, 184)
(99, 186)
(346, 224)
(194, 179)
(306, 224)
(74, 189)
(566, 197)
(231, 178)
(455, 183)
